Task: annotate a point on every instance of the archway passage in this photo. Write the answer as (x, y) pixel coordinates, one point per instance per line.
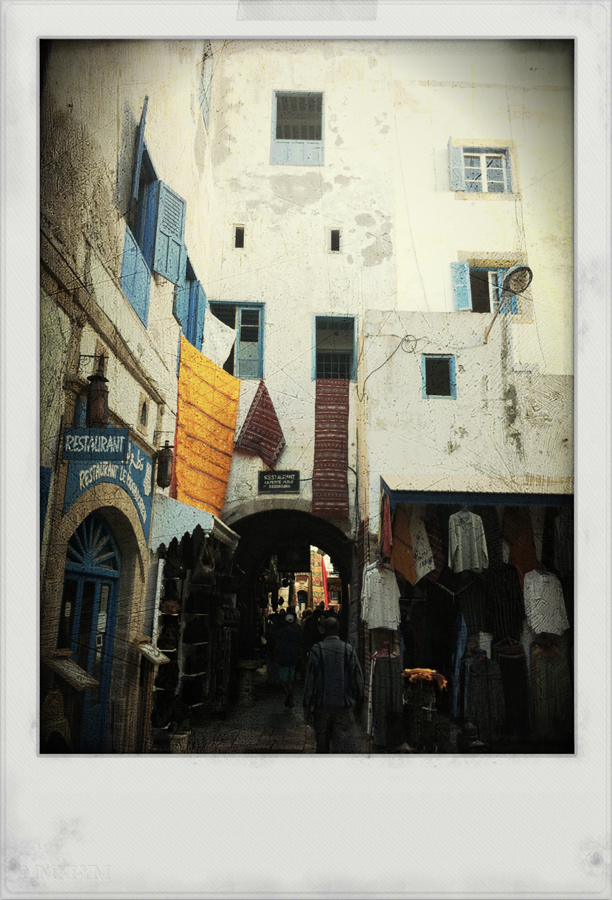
(287, 534)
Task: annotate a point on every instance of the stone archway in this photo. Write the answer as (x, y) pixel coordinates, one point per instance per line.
(263, 533)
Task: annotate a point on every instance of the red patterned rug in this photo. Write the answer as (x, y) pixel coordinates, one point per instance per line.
(329, 478)
(261, 434)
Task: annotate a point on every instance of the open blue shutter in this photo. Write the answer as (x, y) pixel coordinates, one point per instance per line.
(199, 319)
(163, 244)
(135, 278)
(139, 150)
(508, 172)
(455, 167)
(461, 285)
(181, 305)
(509, 303)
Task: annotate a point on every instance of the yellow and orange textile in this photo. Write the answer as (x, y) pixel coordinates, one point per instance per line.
(206, 423)
(425, 675)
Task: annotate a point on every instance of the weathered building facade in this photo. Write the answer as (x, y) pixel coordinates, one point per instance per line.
(339, 227)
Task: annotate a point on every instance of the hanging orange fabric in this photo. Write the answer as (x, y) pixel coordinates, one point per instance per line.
(206, 424)
(402, 557)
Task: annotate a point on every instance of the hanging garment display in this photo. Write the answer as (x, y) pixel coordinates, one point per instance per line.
(475, 603)
(424, 562)
(432, 528)
(493, 535)
(380, 598)
(261, 434)
(544, 603)
(484, 696)
(467, 545)
(518, 532)
(385, 703)
(564, 543)
(402, 557)
(506, 598)
(385, 535)
(551, 690)
(510, 655)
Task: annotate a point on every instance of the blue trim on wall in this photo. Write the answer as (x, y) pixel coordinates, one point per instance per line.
(462, 498)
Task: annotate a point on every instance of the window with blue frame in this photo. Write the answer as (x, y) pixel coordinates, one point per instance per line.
(154, 234)
(246, 357)
(479, 170)
(334, 347)
(297, 129)
(438, 375)
(190, 307)
(480, 289)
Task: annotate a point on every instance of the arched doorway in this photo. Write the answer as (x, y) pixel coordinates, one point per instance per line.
(88, 618)
(288, 533)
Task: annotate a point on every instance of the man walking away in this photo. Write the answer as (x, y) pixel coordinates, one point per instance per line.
(288, 651)
(333, 691)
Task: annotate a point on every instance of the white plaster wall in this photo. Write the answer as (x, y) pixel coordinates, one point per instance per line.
(481, 441)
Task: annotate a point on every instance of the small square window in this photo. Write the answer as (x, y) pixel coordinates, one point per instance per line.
(239, 237)
(143, 414)
(335, 240)
(438, 374)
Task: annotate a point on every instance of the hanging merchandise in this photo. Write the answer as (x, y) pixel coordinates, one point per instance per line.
(402, 556)
(564, 543)
(380, 598)
(386, 538)
(510, 655)
(551, 690)
(484, 696)
(506, 597)
(435, 541)
(493, 535)
(518, 531)
(544, 603)
(467, 545)
(385, 699)
(424, 562)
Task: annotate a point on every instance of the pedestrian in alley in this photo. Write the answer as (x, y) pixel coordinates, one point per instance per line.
(333, 692)
(288, 649)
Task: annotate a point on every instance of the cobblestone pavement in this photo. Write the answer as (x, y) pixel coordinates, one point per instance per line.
(266, 726)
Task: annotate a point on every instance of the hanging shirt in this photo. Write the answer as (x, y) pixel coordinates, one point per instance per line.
(544, 603)
(380, 598)
(467, 545)
(421, 548)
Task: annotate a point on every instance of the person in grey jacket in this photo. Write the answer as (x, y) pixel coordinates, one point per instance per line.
(333, 691)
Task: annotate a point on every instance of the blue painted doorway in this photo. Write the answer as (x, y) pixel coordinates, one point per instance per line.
(88, 619)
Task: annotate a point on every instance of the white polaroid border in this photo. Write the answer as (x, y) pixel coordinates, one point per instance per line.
(301, 826)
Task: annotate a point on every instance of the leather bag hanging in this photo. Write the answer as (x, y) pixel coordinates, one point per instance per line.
(204, 569)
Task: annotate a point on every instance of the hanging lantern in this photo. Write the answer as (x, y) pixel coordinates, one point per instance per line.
(165, 462)
(97, 398)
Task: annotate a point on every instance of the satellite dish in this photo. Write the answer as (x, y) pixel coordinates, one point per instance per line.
(518, 278)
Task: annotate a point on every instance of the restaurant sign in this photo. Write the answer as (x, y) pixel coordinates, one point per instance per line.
(279, 482)
(108, 456)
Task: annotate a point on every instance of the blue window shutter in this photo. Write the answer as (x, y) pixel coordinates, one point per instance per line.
(181, 305)
(199, 323)
(455, 167)
(163, 244)
(135, 278)
(461, 285)
(453, 377)
(509, 304)
(139, 149)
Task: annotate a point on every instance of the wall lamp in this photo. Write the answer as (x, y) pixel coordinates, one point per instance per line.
(517, 279)
(96, 415)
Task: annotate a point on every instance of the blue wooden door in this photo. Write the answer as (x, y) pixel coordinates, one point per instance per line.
(89, 614)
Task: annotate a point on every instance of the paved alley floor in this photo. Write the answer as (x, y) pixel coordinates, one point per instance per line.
(266, 726)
